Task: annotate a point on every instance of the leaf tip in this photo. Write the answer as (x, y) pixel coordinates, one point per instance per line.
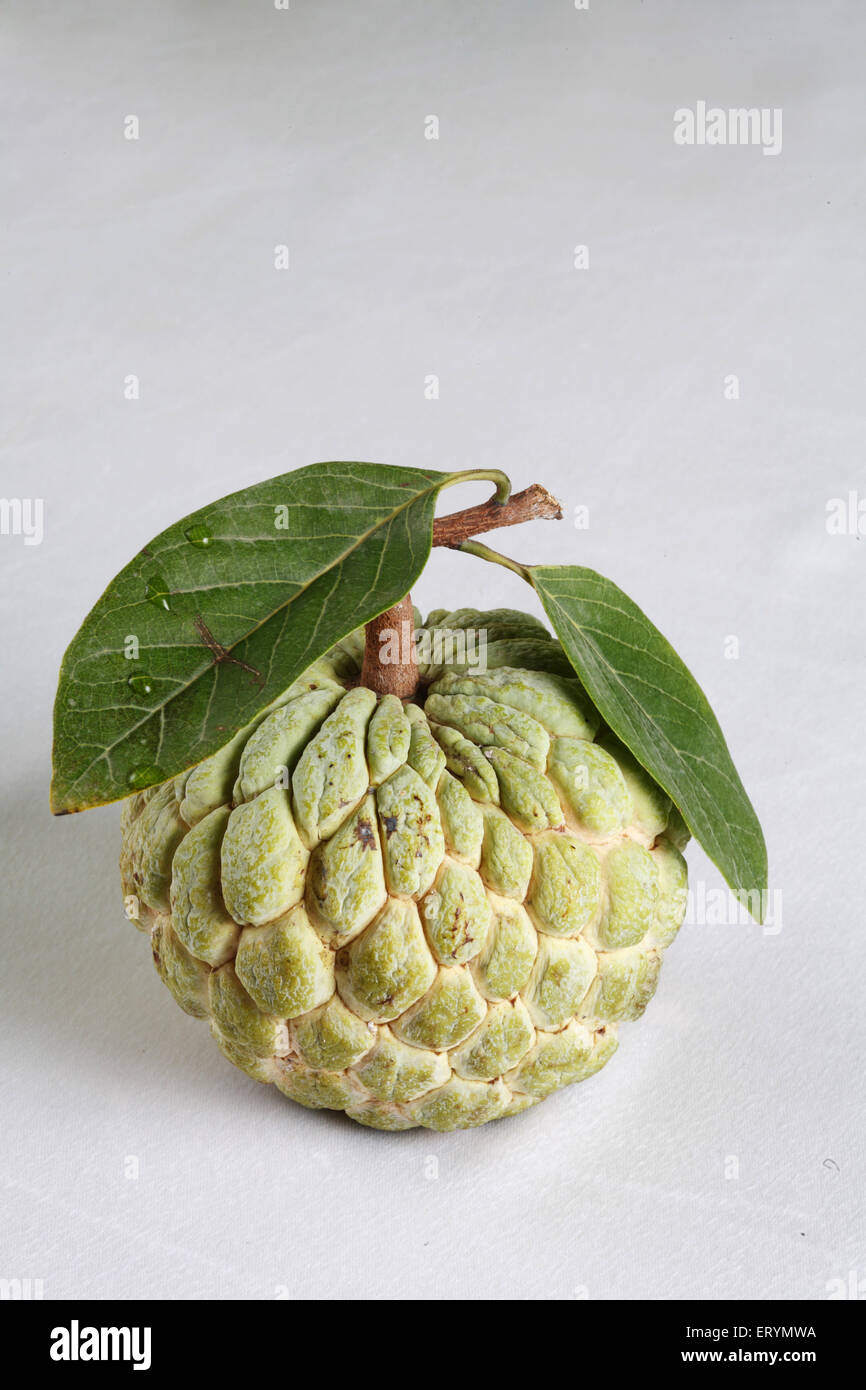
(56, 802)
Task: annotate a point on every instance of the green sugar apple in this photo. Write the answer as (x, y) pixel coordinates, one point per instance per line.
(432, 913)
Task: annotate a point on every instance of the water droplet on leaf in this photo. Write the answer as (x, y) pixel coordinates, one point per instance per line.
(156, 592)
(146, 776)
(141, 684)
(199, 534)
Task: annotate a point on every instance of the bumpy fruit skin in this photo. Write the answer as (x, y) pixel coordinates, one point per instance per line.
(433, 914)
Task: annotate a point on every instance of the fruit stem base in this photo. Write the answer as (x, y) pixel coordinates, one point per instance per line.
(390, 666)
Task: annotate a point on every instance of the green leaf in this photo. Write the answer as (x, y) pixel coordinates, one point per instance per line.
(656, 707)
(225, 609)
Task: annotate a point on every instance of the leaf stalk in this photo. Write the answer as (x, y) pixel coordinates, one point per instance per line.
(393, 631)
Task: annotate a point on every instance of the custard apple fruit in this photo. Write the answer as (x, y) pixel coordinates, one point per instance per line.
(432, 914)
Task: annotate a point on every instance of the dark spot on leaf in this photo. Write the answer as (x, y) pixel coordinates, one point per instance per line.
(390, 824)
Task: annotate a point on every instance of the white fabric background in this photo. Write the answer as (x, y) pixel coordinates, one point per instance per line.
(453, 257)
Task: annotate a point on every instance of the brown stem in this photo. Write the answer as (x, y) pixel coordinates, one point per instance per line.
(389, 666)
(533, 504)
